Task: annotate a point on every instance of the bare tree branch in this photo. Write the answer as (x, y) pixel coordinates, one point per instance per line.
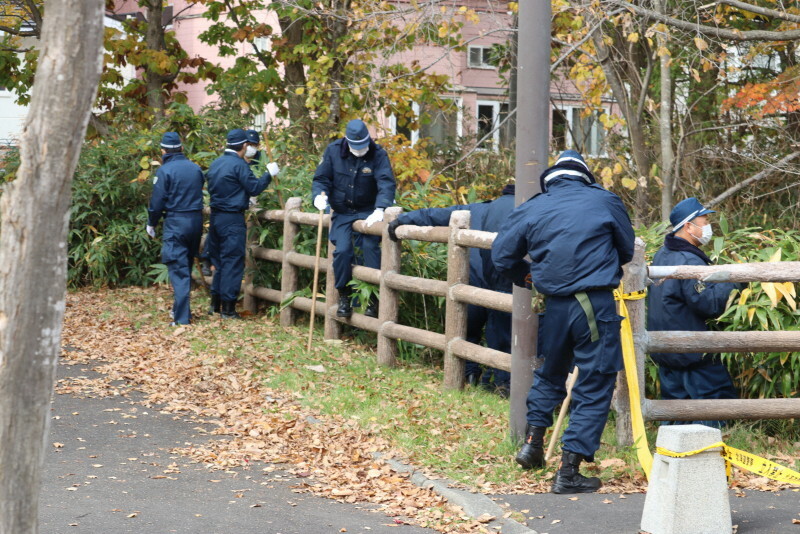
(782, 15)
(733, 35)
(753, 179)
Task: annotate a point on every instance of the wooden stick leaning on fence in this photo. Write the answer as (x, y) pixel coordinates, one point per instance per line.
(316, 281)
(573, 377)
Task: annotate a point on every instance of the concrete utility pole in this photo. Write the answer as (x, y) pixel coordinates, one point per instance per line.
(533, 120)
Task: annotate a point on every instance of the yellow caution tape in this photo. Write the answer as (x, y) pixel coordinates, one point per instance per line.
(632, 376)
(745, 460)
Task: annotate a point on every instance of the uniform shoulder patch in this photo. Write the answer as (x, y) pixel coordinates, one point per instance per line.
(700, 287)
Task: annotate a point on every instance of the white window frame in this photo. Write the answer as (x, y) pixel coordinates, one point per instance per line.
(482, 65)
(495, 105)
(261, 43)
(416, 109)
(570, 113)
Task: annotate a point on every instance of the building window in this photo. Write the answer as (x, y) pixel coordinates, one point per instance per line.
(440, 126)
(572, 129)
(480, 57)
(491, 135)
(261, 44)
(260, 122)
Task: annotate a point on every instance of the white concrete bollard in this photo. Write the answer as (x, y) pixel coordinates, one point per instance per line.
(687, 495)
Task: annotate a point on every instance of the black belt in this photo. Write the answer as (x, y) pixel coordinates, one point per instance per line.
(240, 212)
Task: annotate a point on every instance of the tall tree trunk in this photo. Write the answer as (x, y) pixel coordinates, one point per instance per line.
(154, 38)
(295, 76)
(665, 127)
(34, 214)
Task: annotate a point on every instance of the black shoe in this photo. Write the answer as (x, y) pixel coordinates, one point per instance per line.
(472, 379)
(229, 310)
(215, 304)
(568, 478)
(372, 309)
(345, 308)
(205, 268)
(531, 455)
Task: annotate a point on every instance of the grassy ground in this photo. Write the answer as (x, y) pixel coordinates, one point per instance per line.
(462, 435)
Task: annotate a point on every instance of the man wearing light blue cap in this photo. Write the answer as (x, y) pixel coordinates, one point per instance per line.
(354, 178)
(178, 198)
(231, 183)
(687, 305)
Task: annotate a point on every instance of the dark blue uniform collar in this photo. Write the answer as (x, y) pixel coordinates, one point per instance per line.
(229, 152)
(166, 158)
(678, 244)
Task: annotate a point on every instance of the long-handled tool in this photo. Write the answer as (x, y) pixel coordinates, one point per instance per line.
(316, 280)
(573, 376)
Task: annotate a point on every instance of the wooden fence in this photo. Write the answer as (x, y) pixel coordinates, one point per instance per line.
(458, 294)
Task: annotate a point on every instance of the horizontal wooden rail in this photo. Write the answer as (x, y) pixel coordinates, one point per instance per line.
(361, 227)
(271, 215)
(310, 219)
(785, 271)
(432, 234)
(359, 320)
(425, 286)
(688, 341)
(264, 293)
(304, 304)
(267, 254)
(475, 239)
(419, 336)
(304, 260)
(367, 274)
(717, 409)
(483, 297)
(477, 353)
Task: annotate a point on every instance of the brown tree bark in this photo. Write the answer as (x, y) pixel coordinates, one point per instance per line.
(34, 215)
(154, 38)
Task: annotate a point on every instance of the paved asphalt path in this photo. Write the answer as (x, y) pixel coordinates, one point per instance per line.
(115, 474)
(757, 512)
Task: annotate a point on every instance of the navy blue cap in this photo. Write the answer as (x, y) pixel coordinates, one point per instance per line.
(236, 137)
(570, 164)
(357, 134)
(252, 137)
(685, 211)
(171, 140)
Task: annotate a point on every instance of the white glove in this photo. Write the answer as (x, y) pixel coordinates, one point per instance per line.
(151, 231)
(253, 201)
(273, 169)
(375, 216)
(321, 201)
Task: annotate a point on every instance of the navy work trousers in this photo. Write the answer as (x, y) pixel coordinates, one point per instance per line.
(227, 246)
(710, 381)
(565, 341)
(181, 239)
(345, 242)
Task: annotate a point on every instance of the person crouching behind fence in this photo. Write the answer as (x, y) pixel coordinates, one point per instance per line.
(687, 305)
(178, 197)
(497, 324)
(231, 183)
(578, 237)
(355, 178)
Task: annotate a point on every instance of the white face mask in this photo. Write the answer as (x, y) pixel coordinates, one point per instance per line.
(706, 233)
(250, 151)
(359, 153)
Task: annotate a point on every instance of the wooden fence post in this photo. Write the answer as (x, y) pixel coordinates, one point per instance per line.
(389, 307)
(633, 280)
(333, 328)
(455, 326)
(249, 302)
(290, 273)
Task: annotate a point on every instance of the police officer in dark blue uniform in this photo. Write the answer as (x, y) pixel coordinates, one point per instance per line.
(230, 184)
(178, 197)
(578, 237)
(497, 324)
(687, 305)
(252, 154)
(356, 178)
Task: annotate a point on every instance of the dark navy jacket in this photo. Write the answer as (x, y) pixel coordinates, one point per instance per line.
(178, 186)
(577, 235)
(684, 304)
(355, 184)
(495, 215)
(231, 183)
(441, 217)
